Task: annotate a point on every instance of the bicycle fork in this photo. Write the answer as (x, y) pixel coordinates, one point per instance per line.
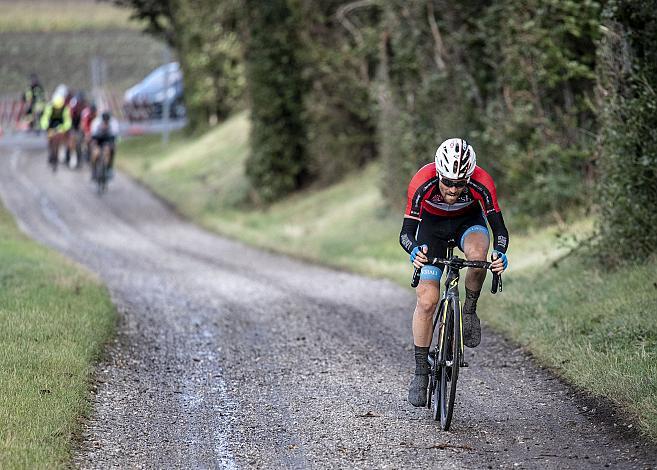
(450, 296)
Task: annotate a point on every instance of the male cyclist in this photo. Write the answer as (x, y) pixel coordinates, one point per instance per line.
(56, 120)
(86, 118)
(76, 105)
(449, 199)
(34, 99)
(104, 130)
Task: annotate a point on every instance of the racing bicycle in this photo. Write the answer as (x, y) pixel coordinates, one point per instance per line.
(446, 356)
(56, 139)
(100, 166)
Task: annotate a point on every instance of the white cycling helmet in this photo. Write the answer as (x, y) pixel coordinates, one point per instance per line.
(455, 159)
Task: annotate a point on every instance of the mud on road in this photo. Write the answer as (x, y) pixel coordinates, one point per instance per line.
(229, 357)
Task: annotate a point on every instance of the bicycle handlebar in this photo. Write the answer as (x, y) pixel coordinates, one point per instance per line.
(459, 263)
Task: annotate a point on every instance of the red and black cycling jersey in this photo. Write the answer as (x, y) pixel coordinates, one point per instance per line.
(479, 195)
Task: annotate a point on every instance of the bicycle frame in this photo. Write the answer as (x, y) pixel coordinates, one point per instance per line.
(450, 294)
(449, 343)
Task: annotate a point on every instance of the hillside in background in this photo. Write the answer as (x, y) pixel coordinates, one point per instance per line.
(58, 40)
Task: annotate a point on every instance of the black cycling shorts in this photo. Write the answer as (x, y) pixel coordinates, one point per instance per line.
(55, 123)
(436, 232)
(104, 139)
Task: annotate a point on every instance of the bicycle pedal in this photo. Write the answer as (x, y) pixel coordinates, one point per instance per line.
(465, 364)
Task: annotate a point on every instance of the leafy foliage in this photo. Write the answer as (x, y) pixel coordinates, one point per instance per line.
(205, 37)
(212, 60)
(628, 150)
(336, 83)
(278, 163)
(514, 77)
(339, 109)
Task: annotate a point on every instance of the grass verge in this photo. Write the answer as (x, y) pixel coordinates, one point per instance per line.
(597, 330)
(62, 15)
(58, 39)
(54, 320)
(65, 57)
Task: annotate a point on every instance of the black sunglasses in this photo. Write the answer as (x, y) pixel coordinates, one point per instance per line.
(454, 183)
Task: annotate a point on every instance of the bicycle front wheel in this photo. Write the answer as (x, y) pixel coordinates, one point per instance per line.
(101, 177)
(433, 397)
(450, 360)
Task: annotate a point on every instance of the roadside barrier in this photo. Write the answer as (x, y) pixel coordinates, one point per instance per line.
(11, 111)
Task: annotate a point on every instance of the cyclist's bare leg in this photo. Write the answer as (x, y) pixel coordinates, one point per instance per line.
(52, 150)
(73, 137)
(107, 154)
(95, 152)
(111, 155)
(55, 143)
(428, 295)
(475, 247)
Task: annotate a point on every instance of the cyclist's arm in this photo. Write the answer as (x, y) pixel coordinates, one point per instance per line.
(419, 187)
(114, 127)
(484, 190)
(45, 118)
(500, 233)
(68, 122)
(95, 127)
(407, 235)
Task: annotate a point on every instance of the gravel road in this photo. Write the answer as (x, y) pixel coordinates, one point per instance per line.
(230, 357)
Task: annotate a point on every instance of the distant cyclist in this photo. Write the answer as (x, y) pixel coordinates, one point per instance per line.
(34, 100)
(56, 121)
(76, 105)
(104, 130)
(88, 115)
(449, 199)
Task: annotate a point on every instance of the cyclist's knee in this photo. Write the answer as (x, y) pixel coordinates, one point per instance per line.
(428, 295)
(476, 252)
(475, 245)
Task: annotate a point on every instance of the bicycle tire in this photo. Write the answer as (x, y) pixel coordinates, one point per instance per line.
(433, 399)
(52, 162)
(432, 381)
(450, 361)
(101, 178)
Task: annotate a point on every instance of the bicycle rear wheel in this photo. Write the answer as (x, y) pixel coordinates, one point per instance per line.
(450, 355)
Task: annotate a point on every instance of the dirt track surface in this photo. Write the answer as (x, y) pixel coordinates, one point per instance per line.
(228, 357)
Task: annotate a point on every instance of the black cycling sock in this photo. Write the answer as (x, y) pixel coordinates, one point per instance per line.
(470, 304)
(421, 360)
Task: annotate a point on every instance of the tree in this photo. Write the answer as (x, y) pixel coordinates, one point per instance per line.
(628, 144)
(339, 106)
(204, 35)
(278, 163)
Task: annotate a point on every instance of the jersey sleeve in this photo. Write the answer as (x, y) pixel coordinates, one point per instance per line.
(68, 121)
(45, 117)
(483, 189)
(418, 188)
(95, 124)
(420, 184)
